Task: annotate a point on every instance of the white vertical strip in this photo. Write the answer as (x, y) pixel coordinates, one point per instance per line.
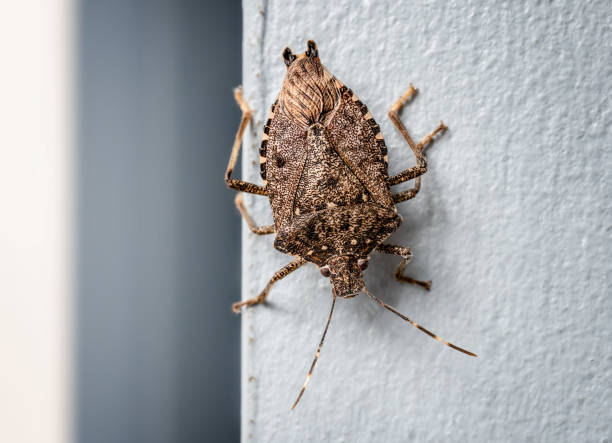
(36, 78)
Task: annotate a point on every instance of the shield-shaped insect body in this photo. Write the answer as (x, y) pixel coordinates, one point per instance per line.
(323, 162)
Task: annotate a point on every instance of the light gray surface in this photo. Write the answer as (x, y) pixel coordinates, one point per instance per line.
(513, 225)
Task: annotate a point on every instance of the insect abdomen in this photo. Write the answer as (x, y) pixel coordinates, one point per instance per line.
(329, 182)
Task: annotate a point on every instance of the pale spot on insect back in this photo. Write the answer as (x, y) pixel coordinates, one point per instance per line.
(353, 242)
(324, 248)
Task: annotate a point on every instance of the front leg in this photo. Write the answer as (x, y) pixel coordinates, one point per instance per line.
(244, 121)
(278, 275)
(406, 255)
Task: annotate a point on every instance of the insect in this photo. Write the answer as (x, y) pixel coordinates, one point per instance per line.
(324, 165)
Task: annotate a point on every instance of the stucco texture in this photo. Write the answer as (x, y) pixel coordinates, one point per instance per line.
(513, 224)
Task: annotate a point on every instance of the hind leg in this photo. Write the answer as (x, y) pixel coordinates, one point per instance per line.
(233, 183)
(406, 255)
(417, 148)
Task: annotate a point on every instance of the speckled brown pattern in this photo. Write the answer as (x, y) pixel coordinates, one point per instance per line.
(323, 161)
(326, 173)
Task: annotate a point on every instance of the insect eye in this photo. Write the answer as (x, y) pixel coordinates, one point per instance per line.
(362, 263)
(312, 49)
(325, 272)
(288, 56)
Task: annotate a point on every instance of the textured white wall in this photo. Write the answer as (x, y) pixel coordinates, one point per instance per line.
(513, 225)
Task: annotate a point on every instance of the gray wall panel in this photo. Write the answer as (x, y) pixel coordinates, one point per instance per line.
(158, 243)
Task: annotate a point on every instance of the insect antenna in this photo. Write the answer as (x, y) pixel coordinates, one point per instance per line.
(316, 357)
(416, 325)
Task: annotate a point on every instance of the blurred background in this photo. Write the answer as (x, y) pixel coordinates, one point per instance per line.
(120, 244)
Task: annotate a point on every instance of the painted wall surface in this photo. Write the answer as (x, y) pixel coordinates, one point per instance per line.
(513, 225)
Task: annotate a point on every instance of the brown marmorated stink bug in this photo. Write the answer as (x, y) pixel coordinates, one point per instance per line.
(324, 168)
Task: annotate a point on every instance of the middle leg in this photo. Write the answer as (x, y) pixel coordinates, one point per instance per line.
(406, 255)
(259, 230)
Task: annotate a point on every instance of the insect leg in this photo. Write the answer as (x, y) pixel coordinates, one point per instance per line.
(259, 230)
(406, 255)
(412, 192)
(417, 148)
(244, 121)
(281, 273)
(408, 193)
